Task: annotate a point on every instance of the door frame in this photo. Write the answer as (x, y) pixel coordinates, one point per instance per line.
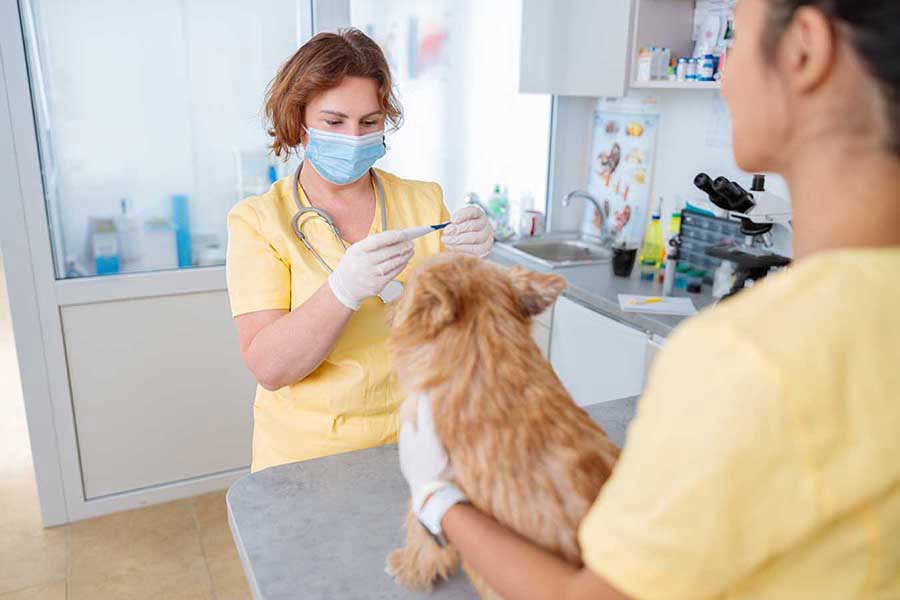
(28, 262)
(36, 298)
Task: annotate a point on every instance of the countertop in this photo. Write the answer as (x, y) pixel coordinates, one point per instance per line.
(596, 287)
(322, 528)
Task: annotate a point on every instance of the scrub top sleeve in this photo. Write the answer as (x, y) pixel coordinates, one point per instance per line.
(258, 278)
(709, 484)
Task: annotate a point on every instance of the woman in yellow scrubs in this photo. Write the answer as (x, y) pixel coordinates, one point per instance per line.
(313, 338)
(764, 459)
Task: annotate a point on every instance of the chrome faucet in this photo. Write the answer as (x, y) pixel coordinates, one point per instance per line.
(567, 201)
(502, 232)
(472, 198)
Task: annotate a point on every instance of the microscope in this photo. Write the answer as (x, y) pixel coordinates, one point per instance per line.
(765, 223)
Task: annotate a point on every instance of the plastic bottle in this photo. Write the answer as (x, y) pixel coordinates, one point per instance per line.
(645, 64)
(127, 234)
(666, 58)
(681, 276)
(675, 224)
(498, 206)
(653, 247)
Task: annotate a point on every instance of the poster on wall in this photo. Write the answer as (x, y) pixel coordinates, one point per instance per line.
(621, 163)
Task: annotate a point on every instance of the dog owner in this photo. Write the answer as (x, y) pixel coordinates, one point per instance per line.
(315, 338)
(776, 474)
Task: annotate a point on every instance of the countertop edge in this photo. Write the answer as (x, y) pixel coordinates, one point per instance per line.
(502, 256)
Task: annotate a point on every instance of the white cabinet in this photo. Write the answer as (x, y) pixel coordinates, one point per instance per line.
(575, 47)
(655, 344)
(596, 358)
(540, 330)
(159, 391)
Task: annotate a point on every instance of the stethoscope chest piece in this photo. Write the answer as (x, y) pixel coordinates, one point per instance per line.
(391, 292)
(394, 289)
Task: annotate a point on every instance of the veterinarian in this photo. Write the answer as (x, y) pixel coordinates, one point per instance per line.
(311, 325)
(776, 473)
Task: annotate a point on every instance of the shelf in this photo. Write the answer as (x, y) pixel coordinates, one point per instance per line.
(676, 85)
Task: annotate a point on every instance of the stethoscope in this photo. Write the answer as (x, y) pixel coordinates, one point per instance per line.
(394, 288)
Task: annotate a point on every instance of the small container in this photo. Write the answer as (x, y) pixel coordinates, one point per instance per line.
(531, 223)
(681, 69)
(695, 281)
(645, 65)
(707, 68)
(692, 69)
(623, 260)
(681, 276)
(648, 269)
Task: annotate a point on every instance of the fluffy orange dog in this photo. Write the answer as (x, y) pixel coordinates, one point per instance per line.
(519, 446)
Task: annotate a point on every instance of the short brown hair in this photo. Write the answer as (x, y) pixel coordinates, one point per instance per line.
(321, 64)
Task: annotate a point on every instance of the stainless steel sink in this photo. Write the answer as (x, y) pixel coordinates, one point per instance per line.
(561, 250)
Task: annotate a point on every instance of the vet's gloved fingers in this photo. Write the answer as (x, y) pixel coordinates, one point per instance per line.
(389, 253)
(381, 240)
(466, 213)
(392, 274)
(470, 237)
(467, 226)
(391, 271)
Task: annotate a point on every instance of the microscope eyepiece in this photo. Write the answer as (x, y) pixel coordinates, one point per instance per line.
(739, 200)
(705, 183)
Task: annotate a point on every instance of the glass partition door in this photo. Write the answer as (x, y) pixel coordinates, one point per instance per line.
(149, 123)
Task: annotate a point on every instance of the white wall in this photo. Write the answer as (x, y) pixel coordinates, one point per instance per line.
(694, 135)
(692, 139)
(467, 127)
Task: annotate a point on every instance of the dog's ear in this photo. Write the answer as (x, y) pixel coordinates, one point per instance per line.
(438, 303)
(535, 291)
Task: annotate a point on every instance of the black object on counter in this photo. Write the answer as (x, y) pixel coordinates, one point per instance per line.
(623, 260)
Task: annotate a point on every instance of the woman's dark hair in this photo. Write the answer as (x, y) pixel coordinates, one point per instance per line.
(873, 29)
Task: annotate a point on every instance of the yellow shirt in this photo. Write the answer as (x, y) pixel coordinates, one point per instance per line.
(764, 459)
(350, 401)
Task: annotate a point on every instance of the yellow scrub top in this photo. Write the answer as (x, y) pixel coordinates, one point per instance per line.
(350, 401)
(764, 459)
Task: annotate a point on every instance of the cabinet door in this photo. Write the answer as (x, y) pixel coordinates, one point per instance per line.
(596, 358)
(574, 47)
(540, 330)
(654, 346)
(159, 390)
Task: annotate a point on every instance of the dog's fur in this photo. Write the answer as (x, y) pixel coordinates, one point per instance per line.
(519, 446)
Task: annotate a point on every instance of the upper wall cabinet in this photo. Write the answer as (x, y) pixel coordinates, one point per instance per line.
(575, 47)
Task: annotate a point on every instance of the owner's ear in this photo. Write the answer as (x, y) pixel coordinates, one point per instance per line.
(535, 291)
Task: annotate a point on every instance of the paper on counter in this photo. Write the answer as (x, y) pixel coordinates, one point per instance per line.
(662, 305)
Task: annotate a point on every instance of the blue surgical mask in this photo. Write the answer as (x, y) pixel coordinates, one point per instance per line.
(340, 158)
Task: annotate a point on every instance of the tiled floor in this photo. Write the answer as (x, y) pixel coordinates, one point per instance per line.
(180, 550)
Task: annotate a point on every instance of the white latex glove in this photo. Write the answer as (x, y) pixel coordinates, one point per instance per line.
(469, 232)
(368, 266)
(423, 460)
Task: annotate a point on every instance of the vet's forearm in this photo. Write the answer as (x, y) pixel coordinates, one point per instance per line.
(290, 348)
(513, 566)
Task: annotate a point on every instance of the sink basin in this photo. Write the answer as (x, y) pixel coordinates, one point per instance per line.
(561, 250)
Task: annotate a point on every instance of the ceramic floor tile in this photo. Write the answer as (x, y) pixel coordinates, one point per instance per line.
(151, 552)
(142, 586)
(31, 558)
(50, 591)
(221, 555)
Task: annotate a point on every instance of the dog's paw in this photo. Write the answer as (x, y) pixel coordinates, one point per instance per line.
(403, 568)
